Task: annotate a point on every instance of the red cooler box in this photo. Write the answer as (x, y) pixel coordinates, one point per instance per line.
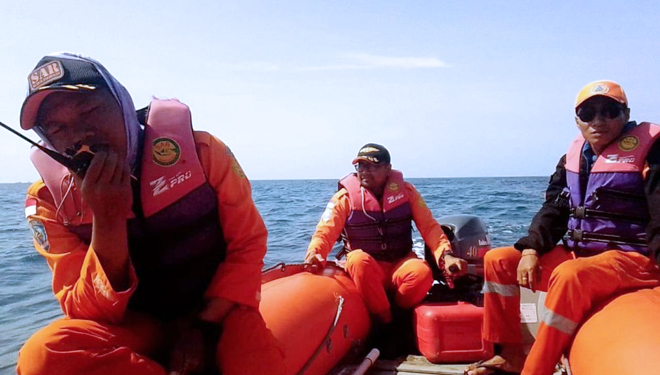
(451, 332)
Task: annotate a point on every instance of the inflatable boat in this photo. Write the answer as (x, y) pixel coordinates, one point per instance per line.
(325, 328)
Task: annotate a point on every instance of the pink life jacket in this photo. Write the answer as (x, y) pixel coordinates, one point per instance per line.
(383, 232)
(175, 238)
(613, 213)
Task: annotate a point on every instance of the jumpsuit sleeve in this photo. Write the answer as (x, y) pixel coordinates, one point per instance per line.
(432, 233)
(652, 191)
(238, 278)
(551, 222)
(331, 224)
(79, 281)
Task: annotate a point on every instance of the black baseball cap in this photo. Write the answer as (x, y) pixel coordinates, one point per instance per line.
(373, 153)
(57, 73)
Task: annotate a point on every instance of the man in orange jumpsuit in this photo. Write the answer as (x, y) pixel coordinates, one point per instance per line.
(373, 213)
(604, 197)
(155, 275)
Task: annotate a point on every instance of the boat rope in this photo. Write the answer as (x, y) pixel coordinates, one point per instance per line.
(280, 265)
(326, 340)
(281, 270)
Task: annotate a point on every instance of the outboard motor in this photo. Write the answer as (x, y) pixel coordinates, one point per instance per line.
(469, 240)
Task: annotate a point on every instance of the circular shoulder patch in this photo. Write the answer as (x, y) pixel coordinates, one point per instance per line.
(394, 186)
(166, 152)
(629, 143)
(39, 233)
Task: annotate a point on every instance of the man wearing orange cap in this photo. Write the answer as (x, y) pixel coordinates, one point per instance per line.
(604, 198)
(373, 213)
(156, 248)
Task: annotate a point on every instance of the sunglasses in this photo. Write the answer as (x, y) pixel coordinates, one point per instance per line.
(361, 167)
(588, 113)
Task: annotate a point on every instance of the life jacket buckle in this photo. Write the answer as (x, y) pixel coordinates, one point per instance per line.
(579, 212)
(577, 235)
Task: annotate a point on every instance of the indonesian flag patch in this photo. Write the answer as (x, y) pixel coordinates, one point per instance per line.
(30, 207)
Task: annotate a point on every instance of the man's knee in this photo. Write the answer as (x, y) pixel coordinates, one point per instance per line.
(411, 295)
(496, 257)
(361, 264)
(70, 346)
(569, 272)
(41, 353)
(359, 258)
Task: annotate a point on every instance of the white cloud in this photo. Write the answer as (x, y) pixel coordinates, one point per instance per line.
(353, 61)
(255, 66)
(399, 62)
(366, 61)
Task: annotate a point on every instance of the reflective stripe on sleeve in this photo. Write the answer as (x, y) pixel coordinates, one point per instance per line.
(559, 322)
(501, 289)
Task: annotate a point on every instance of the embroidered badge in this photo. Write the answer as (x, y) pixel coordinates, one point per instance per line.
(39, 233)
(237, 168)
(45, 74)
(600, 89)
(328, 212)
(372, 159)
(166, 152)
(102, 288)
(368, 149)
(234, 163)
(629, 143)
(393, 186)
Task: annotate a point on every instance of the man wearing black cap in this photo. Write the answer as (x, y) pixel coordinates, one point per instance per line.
(156, 249)
(373, 212)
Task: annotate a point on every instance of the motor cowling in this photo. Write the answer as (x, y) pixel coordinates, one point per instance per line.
(470, 241)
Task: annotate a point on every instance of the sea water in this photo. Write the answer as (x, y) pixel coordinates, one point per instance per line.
(290, 208)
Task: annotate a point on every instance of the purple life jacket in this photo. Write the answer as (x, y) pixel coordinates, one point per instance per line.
(613, 214)
(383, 232)
(175, 237)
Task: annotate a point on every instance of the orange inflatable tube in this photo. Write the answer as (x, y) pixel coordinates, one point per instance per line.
(621, 338)
(316, 318)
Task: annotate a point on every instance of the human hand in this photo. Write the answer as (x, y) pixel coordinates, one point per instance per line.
(106, 186)
(529, 271)
(455, 266)
(314, 262)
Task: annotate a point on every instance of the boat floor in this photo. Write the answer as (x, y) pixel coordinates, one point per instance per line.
(412, 364)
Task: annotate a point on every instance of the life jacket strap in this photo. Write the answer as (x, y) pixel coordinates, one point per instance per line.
(582, 236)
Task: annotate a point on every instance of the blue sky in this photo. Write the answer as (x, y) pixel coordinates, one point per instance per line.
(452, 88)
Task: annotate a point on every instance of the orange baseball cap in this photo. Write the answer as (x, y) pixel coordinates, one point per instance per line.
(609, 89)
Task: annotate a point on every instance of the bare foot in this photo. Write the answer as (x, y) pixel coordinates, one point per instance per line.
(496, 364)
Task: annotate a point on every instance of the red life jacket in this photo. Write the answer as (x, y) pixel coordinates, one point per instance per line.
(383, 232)
(175, 238)
(613, 213)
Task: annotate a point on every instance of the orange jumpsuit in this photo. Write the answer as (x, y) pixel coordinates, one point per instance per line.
(579, 281)
(574, 286)
(410, 277)
(99, 335)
